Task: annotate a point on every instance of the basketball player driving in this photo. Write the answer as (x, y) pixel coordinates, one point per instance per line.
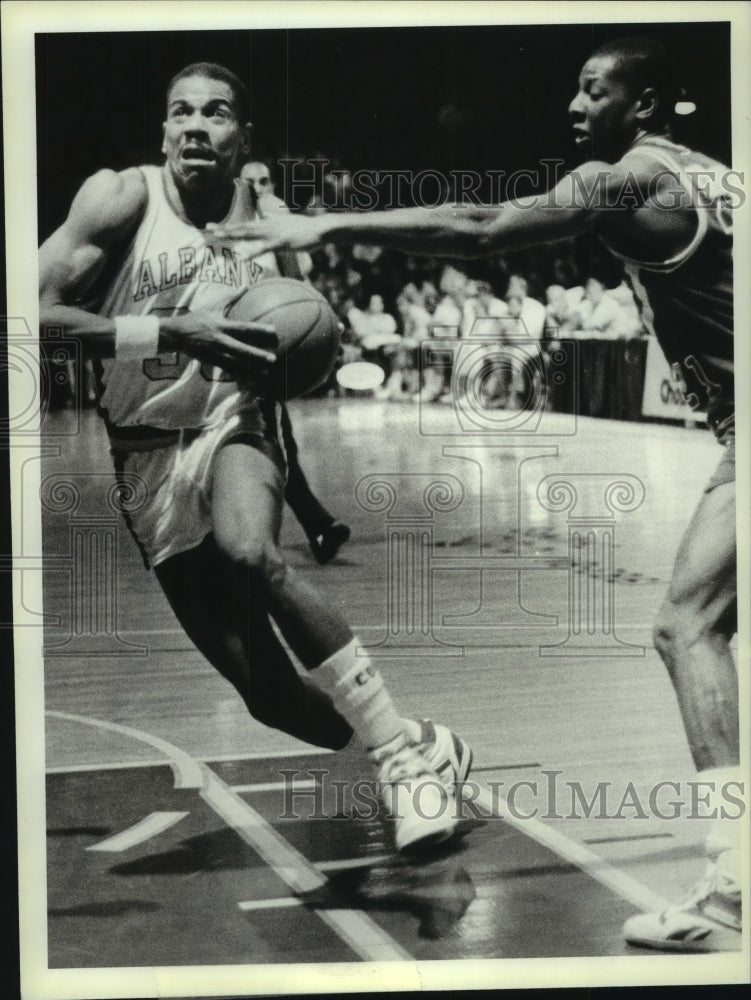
(133, 274)
(664, 210)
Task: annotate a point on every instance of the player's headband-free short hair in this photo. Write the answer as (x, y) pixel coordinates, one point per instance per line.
(642, 63)
(213, 71)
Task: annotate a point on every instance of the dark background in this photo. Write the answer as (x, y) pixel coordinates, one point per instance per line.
(397, 98)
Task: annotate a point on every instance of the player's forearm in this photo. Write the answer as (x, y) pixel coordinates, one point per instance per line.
(95, 333)
(99, 335)
(440, 232)
(459, 231)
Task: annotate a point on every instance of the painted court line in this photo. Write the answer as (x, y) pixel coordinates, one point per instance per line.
(366, 861)
(356, 929)
(161, 762)
(276, 786)
(270, 904)
(187, 770)
(592, 864)
(139, 833)
(362, 934)
(366, 939)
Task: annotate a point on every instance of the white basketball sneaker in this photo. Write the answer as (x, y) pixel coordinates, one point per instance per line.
(700, 923)
(448, 754)
(422, 808)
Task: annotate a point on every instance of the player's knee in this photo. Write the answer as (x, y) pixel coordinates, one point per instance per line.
(260, 556)
(242, 543)
(241, 548)
(665, 634)
(270, 567)
(680, 627)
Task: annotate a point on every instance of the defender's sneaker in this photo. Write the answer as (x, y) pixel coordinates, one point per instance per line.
(328, 541)
(696, 924)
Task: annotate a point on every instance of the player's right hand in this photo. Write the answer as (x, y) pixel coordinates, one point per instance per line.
(246, 351)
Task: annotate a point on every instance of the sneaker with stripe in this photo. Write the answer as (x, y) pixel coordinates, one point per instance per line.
(448, 754)
(422, 808)
(704, 921)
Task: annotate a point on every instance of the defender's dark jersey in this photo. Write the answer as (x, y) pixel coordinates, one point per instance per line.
(687, 302)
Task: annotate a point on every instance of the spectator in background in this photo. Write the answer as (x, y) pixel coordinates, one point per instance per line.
(564, 271)
(601, 314)
(443, 324)
(514, 374)
(446, 324)
(489, 315)
(415, 317)
(337, 187)
(561, 315)
(488, 304)
(453, 284)
(373, 327)
(365, 254)
(630, 322)
(257, 175)
(374, 332)
(404, 380)
(532, 312)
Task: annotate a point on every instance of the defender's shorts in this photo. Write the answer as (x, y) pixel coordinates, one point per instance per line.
(170, 509)
(725, 471)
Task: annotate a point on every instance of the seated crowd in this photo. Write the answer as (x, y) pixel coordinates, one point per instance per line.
(400, 326)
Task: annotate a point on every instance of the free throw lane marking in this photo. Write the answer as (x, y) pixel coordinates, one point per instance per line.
(270, 904)
(145, 829)
(187, 771)
(293, 868)
(276, 786)
(355, 928)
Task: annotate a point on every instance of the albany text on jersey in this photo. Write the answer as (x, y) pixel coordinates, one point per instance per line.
(171, 267)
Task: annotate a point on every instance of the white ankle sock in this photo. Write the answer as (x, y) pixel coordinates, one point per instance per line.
(360, 695)
(726, 798)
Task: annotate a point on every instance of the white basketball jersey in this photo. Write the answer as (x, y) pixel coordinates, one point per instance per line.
(171, 268)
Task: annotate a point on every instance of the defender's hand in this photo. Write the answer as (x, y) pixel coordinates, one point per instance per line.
(272, 232)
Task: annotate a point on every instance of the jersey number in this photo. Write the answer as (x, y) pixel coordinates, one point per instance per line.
(171, 366)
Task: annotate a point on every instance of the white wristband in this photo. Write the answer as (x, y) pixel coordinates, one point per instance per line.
(136, 337)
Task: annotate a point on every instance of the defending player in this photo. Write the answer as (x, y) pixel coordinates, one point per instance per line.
(132, 273)
(666, 212)
(325, 534)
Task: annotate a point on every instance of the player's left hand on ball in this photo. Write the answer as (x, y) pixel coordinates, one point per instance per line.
(244, 349)
(257, 366)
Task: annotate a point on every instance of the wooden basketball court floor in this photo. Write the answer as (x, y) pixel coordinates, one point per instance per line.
(172, 837)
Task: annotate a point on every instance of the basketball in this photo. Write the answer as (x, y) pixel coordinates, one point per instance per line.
(306, 326)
